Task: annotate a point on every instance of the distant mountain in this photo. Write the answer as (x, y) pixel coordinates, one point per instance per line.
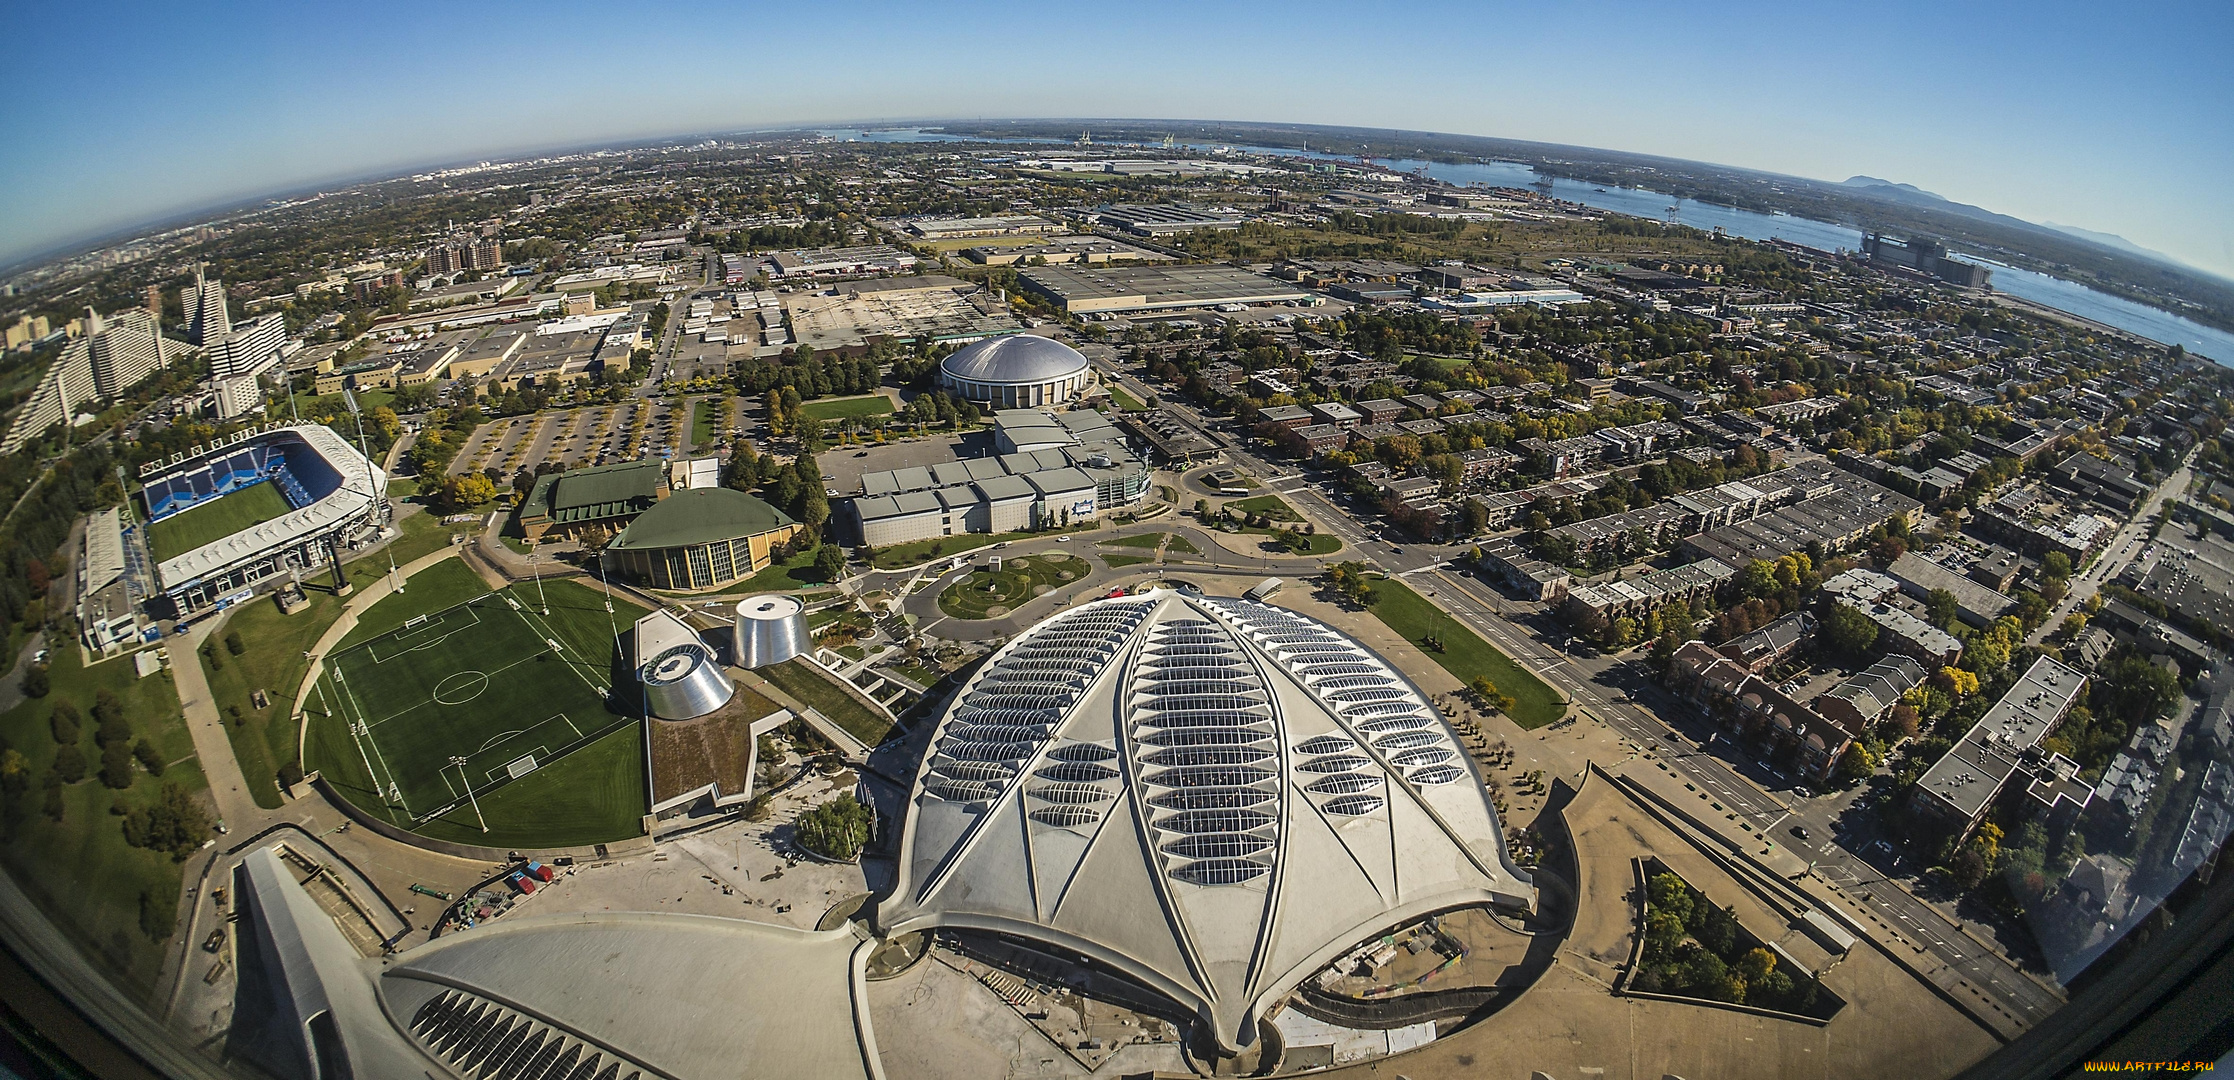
(2111, 240)
(1898, 190)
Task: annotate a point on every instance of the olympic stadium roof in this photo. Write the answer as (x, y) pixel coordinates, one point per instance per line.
(612, 995)
(1014, 358)
(1216, 797)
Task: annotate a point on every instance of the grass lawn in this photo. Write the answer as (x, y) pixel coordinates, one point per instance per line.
(1010, 587)
(1124, 400)
(1137, 540)
(79, 870)
(1116, 561)
(213, 521)
(796, 572)
(921, 676)
(479, 681)
(1466, 655)
(1270, 506)
(705, 422)
(1180, 545)
(922, 551)
(838, 408)
(816, 689)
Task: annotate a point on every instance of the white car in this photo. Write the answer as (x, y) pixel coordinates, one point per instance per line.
(1062, 539)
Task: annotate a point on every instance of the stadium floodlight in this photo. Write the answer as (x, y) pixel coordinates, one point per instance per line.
(372, 483)
(469, 796)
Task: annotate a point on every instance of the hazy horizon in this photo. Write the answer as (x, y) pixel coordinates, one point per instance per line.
(2103, 121)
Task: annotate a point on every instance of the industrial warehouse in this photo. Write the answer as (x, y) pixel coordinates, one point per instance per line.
(1110, 289)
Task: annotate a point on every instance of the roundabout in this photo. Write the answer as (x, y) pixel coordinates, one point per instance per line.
(989, 594)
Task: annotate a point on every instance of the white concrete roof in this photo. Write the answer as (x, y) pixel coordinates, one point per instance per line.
(681, 996)
(362, 484)
(1216, 797)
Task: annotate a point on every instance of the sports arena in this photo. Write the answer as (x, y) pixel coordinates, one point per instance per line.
(223, 517)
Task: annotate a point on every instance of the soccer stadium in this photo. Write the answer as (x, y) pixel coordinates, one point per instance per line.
(281, 498)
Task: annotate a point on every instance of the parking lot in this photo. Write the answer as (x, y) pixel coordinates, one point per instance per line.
(575, 438)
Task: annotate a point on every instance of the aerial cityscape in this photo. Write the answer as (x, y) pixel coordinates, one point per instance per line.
(1114, 598)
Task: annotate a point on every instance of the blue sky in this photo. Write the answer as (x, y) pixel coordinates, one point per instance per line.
(2118, 118)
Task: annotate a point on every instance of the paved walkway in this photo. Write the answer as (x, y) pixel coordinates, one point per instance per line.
(235, 805)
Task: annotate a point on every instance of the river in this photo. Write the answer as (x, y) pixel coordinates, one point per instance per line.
(2139, 319)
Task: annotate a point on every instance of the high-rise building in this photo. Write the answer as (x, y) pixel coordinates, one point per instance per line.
(466, 254)
(126, 347)
(109, 356)
(235, 360)
(155, 303)
(204, 302)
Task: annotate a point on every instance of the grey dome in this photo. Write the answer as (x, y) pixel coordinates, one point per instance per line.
(1015, 358)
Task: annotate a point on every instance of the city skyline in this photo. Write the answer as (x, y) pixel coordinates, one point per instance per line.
(2070, 116)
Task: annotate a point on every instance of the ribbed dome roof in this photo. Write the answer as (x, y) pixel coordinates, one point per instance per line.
(1016, 358)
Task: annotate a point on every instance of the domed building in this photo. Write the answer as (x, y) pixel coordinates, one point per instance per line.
(1017, 371)
(1211, 798)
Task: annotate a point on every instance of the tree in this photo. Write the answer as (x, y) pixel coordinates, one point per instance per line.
(2055, 564)
(1957, 682)
(1856, 764)
(149, 758)
(233, 643)
(69, 764)
(175, 823)
(64, 723)
(116, 765)
(830, 562)
(837, 829)
(1849, 630)
(467, 491)
(1941, 607)
(35, 683)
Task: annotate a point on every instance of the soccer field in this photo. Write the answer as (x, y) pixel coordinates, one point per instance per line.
(212, 521)
(471, 696)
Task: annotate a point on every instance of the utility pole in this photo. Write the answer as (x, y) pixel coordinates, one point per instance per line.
(374, 487)
(533, 569)
(469, 796)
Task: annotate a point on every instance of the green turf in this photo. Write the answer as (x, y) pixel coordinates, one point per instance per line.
(213, 521)
(1137, 540)
(705, 422)
(1270, 506)
(1126, 560)
(79, 870)
(1466, 655)
(1012, 586)
(797, 572)
(273, 660)
(916, 552)
(1180, 545)
(839, 408)
(814, 688)
(421, 691)
(594, 795)
(445, 584)
(1124, 400)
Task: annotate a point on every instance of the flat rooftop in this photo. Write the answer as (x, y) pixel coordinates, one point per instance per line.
(1149, 288)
